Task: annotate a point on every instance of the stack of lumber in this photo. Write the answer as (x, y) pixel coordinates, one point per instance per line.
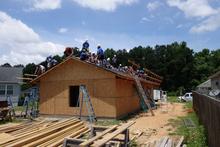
(108, 137)
(41, 133)
(165, 142)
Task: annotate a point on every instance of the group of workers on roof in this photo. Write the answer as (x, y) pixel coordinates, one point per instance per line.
(97, 59)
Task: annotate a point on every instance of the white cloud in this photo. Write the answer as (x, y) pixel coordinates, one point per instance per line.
(43, 5)
(105, 5)
(21, 44)
(193, 8)
(179, 26)
(151, 6)
(62, 30)
(210, 24)
(145, 19)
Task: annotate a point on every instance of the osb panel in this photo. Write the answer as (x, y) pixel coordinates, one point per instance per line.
(127, 100)
(57, 94)
(75, 70)
(124, 88)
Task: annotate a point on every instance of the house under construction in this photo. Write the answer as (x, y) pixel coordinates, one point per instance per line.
(113, 94)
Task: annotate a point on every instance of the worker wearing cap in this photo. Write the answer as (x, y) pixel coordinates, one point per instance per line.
(114, 61)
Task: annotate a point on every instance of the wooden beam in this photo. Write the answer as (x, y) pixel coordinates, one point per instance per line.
(90, 141)
(23, 78)
(30, 75)
(180, 141)
(108, 137)
(73, 135)
(19, 141)
(51, 136)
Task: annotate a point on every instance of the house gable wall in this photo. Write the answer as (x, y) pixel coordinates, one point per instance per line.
(54, 89)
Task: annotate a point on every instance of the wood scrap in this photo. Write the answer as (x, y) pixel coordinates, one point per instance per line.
(90, 141)
(110, 136)
(180, 141)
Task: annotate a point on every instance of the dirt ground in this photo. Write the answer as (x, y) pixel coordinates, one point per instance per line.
(155, 127)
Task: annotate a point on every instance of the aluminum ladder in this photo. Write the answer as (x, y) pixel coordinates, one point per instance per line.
(142, 94)
(86, 99)
(10, 104)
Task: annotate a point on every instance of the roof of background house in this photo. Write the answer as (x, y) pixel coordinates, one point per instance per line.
(10, 74)
(118, 74)
(217, 74)
(205, 84)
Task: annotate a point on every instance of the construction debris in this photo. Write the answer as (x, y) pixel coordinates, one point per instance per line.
(164, 142)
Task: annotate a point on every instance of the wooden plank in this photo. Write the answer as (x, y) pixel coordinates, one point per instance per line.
(158, 143)
(31, 75)
(90, 141)
(73, 135)
(112, 135)
(82, 133)
(5, 136)
(61, 137)
(22, 78)
(51, 136)
(164, 142)
(28, 133)
(19, 141)
(169, 143)
(180, 141)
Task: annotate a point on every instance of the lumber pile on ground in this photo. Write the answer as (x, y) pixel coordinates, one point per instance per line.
(107, 137)
(41, 133)
(165, 142)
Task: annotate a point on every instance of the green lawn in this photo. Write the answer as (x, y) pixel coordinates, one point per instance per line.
(173, 99)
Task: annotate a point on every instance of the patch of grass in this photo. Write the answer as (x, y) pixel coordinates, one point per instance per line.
(133, 143)
(19, 108)
(193, 137)
(108, 122)
(173, 99)
(10, 121)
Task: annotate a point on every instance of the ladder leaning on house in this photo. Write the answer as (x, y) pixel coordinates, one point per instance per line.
(142, 94)
(11, 106)
(89, 107)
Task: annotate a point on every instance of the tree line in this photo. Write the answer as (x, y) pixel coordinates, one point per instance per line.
(180, 67)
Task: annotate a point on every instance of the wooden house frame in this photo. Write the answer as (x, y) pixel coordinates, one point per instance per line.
(113, 94)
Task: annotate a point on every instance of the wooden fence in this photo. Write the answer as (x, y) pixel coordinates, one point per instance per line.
(208, 111)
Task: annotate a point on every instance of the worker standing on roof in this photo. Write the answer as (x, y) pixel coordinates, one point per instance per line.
(85, 51)
(100, 54)
(68, 52)
(114, 61)
(85, 46)
(39, 70)
(48, 61)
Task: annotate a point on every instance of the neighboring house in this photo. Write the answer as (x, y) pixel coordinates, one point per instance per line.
(215, 81)
(113, 94)
(205, 87)
(215, 85)
(10, 84)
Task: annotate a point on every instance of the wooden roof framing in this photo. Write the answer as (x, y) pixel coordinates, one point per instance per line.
(152, 80)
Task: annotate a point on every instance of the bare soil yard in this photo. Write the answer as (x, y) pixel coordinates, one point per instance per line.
(155, 127)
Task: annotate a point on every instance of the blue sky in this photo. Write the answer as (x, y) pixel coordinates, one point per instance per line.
(30, 30)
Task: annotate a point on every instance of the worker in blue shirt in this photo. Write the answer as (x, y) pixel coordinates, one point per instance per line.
(84, 54)
(100, 54)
